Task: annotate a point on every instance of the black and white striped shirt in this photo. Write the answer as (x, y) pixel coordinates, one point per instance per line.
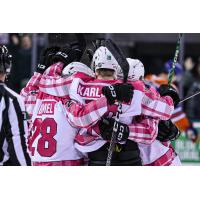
(13, 129)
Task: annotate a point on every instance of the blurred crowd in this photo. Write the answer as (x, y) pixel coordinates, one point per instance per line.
(20, 46)
(190, 82)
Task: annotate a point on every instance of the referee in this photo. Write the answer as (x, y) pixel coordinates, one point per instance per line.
(13, 125)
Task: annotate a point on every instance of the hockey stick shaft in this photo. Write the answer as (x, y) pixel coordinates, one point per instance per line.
(121, 59)
(113, 137)
(171, 72)
(191, 96)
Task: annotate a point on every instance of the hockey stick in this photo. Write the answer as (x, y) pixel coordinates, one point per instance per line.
(189, 97)
(80, 44)
(121, 59)
(96, 44)
(81, 40)
(171, 72)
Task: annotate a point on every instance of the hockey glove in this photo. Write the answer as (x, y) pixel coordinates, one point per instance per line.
(106, 129)
(68, 54)
(165, 90)
(167, 131)
(122, 92)
(46, 59)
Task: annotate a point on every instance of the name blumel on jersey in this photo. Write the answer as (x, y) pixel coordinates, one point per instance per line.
(52, 136)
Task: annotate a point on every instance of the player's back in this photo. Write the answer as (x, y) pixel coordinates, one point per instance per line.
(85, 89)
(52, 136)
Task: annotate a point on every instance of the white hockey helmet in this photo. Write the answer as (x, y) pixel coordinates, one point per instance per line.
(136, 70)
(74, 67)
(103, 59)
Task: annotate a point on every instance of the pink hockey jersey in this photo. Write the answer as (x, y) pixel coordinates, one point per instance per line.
(52, 137)
(49, 109)
(30, 92)
(55, 84)
(144, 102)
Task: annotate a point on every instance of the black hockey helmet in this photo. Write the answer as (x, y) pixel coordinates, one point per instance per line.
(5, 60)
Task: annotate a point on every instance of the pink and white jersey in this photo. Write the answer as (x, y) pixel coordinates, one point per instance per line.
(84, 89)
(151, 153)
(52, 136)
(158, 154)
(144, 132)
(53, 83)
(144, 102)
(30, 92)
(50, 82)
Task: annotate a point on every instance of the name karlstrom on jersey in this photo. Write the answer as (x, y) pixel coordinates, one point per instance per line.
(89, 91)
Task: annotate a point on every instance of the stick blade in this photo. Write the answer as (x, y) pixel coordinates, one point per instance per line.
(119, 56)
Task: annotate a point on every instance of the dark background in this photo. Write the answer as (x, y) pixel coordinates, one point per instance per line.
(153, 49)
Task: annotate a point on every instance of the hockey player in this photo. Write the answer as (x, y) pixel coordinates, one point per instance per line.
(62, 91)
(31, 90)
(179, 117)
(160, 152)
(136, 131)
(90, 89)
(52, 140)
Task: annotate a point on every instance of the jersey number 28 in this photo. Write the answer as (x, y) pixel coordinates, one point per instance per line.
(46, 145)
